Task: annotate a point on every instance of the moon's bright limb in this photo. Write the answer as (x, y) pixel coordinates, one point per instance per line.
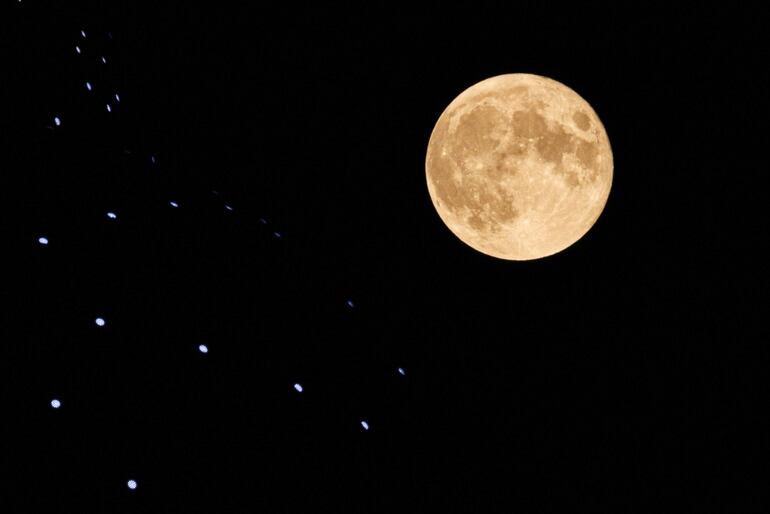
(519, 166)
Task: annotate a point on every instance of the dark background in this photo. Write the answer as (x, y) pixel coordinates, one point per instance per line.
(624, 373)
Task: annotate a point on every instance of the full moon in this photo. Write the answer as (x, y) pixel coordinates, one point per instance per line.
(519, 166)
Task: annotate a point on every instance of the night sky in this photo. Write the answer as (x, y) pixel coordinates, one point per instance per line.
(245, 301)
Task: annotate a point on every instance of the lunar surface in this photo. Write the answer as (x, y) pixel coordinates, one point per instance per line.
(519, 166)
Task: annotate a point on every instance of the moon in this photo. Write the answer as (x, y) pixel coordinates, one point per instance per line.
(519, 166)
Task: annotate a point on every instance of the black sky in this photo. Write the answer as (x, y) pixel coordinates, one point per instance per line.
(624, 373)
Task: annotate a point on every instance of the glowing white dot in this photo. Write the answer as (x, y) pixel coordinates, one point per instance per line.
(132, 484)
(109, 109)
(57, 121)
(88, 86)
(100, 322)
(104, 60)
(350, 303)
(112, 215)
(228, 208)
(276, 234)
(83, 33)
(43, 240)
(263, 221)
(117, 97)
(298, 388)
(152, 159)
(203, 348)
(174, 204)
(55, 403)
(77, 49)
(401, 371)
(365, 425)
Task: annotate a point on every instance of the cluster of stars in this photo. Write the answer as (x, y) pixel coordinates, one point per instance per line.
(56, 403)
(89, 85)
